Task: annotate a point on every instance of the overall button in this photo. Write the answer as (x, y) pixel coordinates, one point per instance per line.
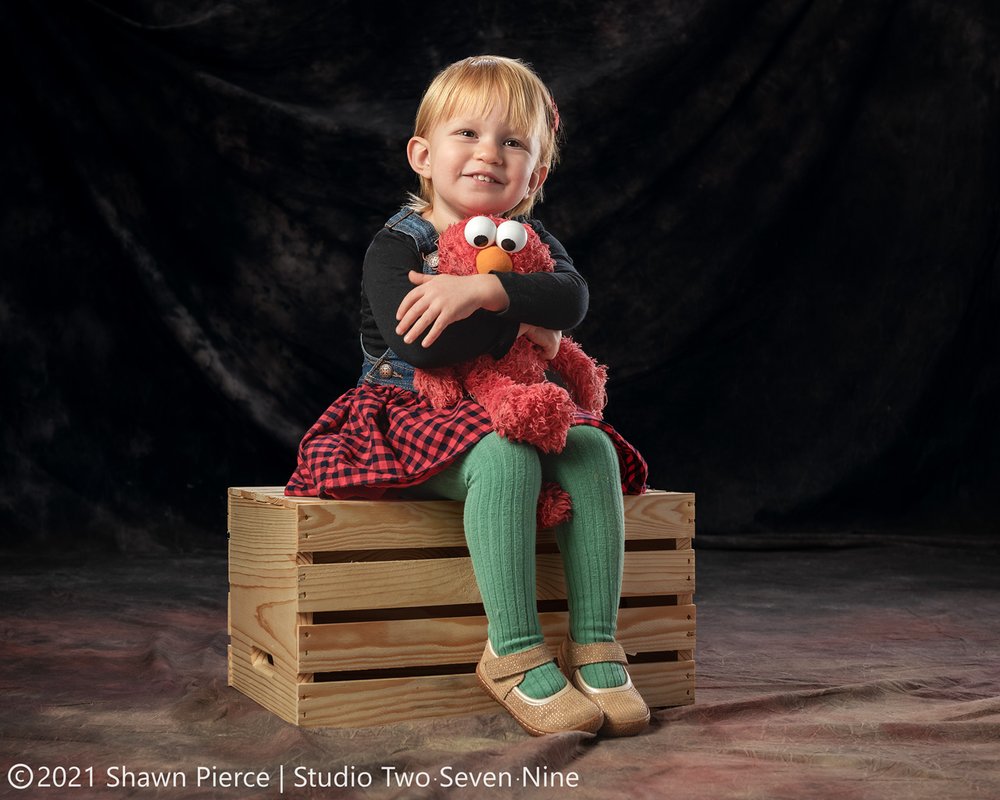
(385, 370)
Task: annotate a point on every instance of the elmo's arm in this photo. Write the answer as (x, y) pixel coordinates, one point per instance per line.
(583, 376)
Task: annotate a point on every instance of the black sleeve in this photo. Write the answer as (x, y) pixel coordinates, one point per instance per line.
(389, 259)
(556, 300)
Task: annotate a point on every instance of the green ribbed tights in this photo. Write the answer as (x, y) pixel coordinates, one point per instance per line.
(499, 481)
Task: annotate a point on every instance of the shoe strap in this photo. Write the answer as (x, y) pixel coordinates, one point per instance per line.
(579, 655)
(502, 667)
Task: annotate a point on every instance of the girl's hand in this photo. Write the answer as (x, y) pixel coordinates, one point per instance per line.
(548, 341)
(436, 301)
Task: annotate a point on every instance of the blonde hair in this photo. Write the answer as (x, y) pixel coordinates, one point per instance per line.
(476, 85)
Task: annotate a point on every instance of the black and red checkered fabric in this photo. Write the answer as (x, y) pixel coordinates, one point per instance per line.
(375, 438)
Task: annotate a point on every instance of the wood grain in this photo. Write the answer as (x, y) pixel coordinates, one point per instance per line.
(392, 644)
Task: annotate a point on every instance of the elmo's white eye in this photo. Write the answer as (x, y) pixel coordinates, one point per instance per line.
(512, 236)
(480, 232)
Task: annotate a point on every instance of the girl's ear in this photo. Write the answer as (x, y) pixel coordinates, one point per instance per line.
(537, 179)
(418, 153)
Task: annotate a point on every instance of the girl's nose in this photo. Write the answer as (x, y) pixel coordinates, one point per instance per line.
(488, 152)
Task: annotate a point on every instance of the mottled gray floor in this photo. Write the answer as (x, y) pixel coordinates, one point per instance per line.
(869, 669)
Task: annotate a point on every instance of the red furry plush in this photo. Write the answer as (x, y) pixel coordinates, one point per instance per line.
(520, 400)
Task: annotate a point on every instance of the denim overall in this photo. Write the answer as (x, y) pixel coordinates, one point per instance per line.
(389, 369)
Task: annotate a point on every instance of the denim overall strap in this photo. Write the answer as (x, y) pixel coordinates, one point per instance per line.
(389, 369)
(408, 221)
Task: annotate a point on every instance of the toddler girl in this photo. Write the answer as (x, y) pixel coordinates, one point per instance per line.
(485, 140)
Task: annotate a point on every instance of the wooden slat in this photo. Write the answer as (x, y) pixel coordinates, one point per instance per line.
(447, 581)
(272, 689)
(262, 531)
(387, 584)
(350, 704)
(346, 524)
(649, 573)
(393, 644)
(272, 495)
(354, 524)
(652, 573)
(357, 704)
(275, 496)
(660, 515)
(263, 576)
(665, 685)
(655, 629)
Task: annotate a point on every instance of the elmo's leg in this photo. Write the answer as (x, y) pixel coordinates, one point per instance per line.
(539, 414)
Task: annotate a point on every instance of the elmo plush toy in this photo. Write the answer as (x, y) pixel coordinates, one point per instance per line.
(523, 404)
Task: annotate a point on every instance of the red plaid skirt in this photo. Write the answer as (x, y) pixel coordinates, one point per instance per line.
(376, 438)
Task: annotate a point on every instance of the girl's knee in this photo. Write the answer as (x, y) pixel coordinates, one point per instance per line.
(588, 442)
(497, 458)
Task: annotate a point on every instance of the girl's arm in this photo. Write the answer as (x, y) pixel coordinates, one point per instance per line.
(436, 301)
(555, 300)
(386, 282)
(544, 303)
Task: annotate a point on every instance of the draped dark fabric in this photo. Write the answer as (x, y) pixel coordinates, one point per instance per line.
(787, 211)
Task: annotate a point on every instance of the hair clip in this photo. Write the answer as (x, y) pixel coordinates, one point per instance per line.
(555, 115)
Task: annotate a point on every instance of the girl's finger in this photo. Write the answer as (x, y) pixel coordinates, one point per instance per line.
(412, 298)
(436, 330)
(410, 315)
(419, 325)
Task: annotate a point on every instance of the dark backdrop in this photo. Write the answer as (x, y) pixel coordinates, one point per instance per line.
(787, 211)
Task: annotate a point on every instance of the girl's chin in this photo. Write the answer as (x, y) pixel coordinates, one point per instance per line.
(484, 210)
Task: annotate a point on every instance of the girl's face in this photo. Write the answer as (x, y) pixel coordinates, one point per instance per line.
(476, 165)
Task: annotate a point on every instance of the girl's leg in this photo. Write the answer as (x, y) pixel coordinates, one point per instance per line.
(499, 481)
(592, 542)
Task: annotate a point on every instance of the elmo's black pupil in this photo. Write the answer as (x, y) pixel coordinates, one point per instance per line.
(481, 240)
(508, 245)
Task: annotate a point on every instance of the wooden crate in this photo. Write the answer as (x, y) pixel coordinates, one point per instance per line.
(356, 613)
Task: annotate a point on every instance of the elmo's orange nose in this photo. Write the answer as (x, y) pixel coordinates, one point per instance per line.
(493, 259)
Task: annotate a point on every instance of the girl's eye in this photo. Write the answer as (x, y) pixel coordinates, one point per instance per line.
(512, 236)
(481, 232)
(513, 143)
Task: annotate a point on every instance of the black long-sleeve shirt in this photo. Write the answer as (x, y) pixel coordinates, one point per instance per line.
(556, 300)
